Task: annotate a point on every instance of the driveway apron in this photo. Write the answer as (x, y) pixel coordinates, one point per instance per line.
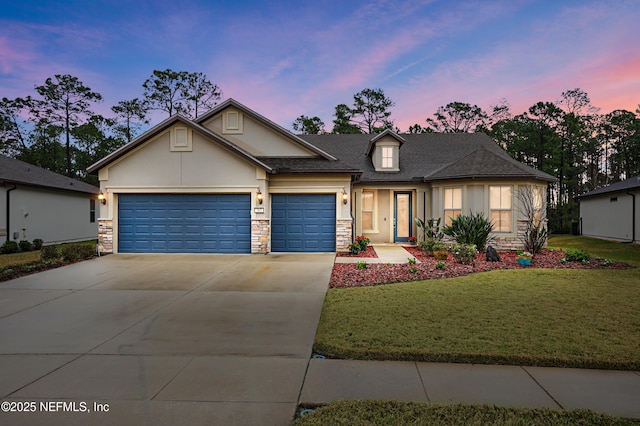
(161, 339)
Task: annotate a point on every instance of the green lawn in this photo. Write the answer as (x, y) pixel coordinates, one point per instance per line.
(577, 318)
(369, 413)
(19, 258)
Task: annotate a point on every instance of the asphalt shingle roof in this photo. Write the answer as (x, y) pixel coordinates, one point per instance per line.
(430, 157)
(624, 185)
(19, 172)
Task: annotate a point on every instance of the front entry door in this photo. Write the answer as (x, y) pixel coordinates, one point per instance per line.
(402, 217)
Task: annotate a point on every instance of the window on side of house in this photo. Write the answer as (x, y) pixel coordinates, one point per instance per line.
(368, 202)
(538, 205)
(500, 197)
(387, 157)
(452, 204)
(92, 211)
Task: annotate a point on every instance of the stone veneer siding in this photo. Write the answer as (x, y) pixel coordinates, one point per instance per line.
(105, 235)
(343, 234)
(260, 231)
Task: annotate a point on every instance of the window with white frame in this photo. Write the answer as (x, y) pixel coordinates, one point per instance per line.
(500, 202)
(452, 204)
(538, 205)
(368, 202)
(387, 157)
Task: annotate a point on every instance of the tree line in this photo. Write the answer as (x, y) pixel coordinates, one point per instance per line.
(58, 129)
(567, 138)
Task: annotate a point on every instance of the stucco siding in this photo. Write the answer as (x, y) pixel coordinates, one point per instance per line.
(259, 140)
(608, 216)
(53, 216)
(155, 165)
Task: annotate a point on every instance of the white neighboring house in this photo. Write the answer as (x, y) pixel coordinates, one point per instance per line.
(38, 203)
(612, 212)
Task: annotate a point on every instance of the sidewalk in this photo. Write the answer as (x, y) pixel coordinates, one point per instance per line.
(387, 253)
(612, 392)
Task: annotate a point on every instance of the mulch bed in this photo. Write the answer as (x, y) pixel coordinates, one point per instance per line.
(348, 274)
(369, 252)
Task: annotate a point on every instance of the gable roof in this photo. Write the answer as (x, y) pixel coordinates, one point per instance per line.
(624, 185)
(429, 157)
(260, 118)
(162, 127)
(19, 172)
(387, 132)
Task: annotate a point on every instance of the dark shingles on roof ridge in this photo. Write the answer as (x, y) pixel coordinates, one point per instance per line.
(20, 172)
(428, 153)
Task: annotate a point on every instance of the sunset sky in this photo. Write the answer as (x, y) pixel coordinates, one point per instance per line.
(287, 58)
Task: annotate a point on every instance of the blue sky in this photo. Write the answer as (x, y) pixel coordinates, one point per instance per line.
(287, 58)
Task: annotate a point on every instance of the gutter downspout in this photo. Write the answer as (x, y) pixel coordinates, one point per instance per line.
(633, 217)
(9, 209)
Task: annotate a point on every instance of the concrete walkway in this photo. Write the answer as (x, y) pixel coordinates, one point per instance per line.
(612, 392)
(387, 253)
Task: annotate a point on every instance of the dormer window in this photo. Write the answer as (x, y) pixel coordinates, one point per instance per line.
(384, 150)
(387, 157)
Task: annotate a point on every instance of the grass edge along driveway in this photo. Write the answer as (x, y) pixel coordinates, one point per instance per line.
(541, 317)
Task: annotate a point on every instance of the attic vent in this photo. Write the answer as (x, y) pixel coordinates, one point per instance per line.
(232, 122)
(613, 199)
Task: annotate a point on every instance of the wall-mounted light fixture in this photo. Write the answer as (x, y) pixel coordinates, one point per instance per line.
(344, 196)
(259, 196)
(102, 198)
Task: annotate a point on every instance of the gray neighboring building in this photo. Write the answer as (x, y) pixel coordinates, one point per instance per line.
(612, 212)
(38, 203)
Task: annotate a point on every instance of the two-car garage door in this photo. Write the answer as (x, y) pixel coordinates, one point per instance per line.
(221, 223)
(184, 223)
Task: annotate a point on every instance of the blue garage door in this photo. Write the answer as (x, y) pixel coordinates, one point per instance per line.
(303, 222)
(184, 223)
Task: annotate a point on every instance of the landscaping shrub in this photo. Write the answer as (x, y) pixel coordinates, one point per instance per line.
(426, 245)
(431, 229)
(9, 247)
(86, 251)
(535, 238)
(25, 245)
(472, 229)
(577, 256)
(48, 253)
(70, 252)
(37, 244)
(464, 253)
(361, 243)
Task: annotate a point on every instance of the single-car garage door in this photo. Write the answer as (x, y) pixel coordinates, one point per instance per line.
(184, 223)
(303, 222)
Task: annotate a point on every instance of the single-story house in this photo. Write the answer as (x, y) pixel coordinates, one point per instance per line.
(232, 181)
(38, 203)
(612, 212)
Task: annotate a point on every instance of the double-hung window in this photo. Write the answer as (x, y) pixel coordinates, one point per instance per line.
(500, 202)
(368, 202)
(387, 157)
(452, 204)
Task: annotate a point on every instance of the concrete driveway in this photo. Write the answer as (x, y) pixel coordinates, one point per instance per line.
(160, 339)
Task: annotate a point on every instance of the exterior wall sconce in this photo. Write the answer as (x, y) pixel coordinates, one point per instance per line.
(259, 196)
(344, 196)
(102, 198)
